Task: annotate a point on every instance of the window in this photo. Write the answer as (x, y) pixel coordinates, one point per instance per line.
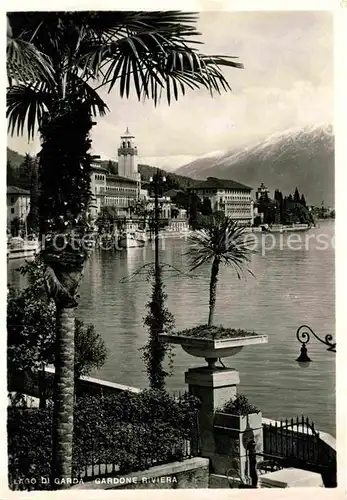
(12, 210)
(12, 199)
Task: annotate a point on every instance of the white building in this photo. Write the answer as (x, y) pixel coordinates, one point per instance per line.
(230, 197)
(18, 203)
(118, 191)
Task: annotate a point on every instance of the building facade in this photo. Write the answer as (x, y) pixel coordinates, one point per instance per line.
(111, 191)
(127, 157)
(117, 191)
(230, 197)
(18, 203)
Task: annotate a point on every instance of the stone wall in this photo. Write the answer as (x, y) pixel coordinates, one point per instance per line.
(28, 384)
(190, 473)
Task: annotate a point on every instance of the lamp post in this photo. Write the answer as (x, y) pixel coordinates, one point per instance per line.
(303, 336)
(157, 182)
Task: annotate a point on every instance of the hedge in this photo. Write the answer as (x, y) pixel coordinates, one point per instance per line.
(132, 431)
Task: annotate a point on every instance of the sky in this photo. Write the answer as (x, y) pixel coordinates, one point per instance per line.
(287, 82)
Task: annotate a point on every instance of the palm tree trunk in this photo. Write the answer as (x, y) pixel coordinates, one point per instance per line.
(42, 387)
(63, 274)
(213, 290)
(63, 398)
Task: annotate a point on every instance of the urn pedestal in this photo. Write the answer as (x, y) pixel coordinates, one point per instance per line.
(224, 439)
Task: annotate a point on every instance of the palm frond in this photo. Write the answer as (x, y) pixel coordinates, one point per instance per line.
(25, 63)
(26, 104)
(87, 94)
(223, 239)
(154, 51)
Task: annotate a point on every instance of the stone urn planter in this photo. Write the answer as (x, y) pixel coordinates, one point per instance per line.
(213, 343)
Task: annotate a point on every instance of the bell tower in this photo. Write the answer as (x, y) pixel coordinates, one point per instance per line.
(127, 157)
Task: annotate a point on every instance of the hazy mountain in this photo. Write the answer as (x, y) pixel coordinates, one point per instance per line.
(302, 158)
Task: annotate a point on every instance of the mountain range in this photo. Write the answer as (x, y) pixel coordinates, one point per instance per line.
(302, 158)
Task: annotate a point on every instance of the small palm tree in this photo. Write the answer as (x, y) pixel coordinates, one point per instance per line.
(220, 241)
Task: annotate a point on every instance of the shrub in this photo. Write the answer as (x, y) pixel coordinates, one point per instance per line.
(130, 430)
(214, 332)
(239, 406)
(31, 326)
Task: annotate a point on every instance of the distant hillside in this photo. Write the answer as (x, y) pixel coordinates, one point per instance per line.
(14, 158)
(295, 158)
(173, 181)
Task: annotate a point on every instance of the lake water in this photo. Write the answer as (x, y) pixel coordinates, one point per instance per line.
(292, 286)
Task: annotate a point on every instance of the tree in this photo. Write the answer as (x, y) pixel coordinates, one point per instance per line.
(174, 212)
(296, 196)
(15, 225)
(11, 174)
(220, 241)
(90, 352)
(111, 167)
(303, 201)
(158, 320)
(33, 221)
(206, 208)
(56, 62)
(31, 326)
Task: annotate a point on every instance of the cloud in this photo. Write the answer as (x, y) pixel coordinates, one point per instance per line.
(287, 82)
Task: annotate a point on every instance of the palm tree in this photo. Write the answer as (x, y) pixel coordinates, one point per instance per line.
(56, 63)
(220, 241)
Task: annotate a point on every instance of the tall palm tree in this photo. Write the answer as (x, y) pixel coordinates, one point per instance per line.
(220, 241)
(56, 63)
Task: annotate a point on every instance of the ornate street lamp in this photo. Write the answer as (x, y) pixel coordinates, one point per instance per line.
(157, 182)
(303, 336)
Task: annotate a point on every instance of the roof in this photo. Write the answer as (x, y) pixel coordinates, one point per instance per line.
(215, 183)
(172, 192)
(17, 190)
(119, 178)
(127, 134)
(96, 167)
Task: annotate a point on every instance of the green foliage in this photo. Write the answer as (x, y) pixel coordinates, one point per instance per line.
(14, 158)
(11, 174)
(33, 221)
(129, 430)
(206, 208)
(65, 165)
(75, 48)
(214, 332)
(90, 349)
(29, 445)
(174, 212)
(158, 320)
(239, 406)
(220, 241)
(31, 327)
(284, 209)
(15, 226)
